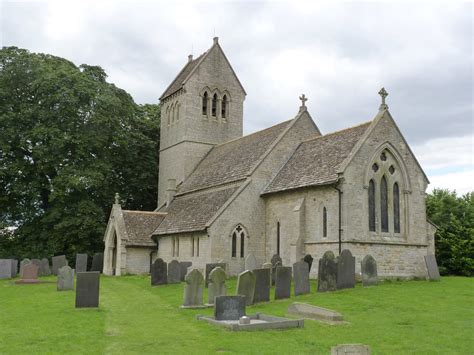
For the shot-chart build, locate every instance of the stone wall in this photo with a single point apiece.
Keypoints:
(165, 250)
(138, 260)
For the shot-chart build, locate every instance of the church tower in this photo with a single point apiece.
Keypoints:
(202, 107)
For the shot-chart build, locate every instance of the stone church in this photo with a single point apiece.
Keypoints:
(288, 189)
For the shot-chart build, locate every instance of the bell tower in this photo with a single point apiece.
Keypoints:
(202, 107)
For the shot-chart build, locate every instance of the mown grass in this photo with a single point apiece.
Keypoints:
(417, 317)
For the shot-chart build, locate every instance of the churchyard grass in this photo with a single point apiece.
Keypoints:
(393, 318)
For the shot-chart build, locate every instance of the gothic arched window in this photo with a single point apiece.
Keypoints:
(371, 205)
(238, 232)
(234, 244)
(278, 238)
(396, 208)
(383, 204)
(214, 105)
(325, 222)
(205, 99)
(242, 244)
(224, 106)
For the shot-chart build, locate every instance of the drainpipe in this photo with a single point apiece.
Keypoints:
(340, 221)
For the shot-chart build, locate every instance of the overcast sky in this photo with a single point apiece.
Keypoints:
(338, 54)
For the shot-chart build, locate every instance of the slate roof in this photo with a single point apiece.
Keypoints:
(317, 161)
(191, 213)
(232, 161)
(140, 225)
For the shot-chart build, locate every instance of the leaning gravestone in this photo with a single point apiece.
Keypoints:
(276, 261)
(250, 262)
(81, 262)
(65, 279)
(159, 272)
(58, 262)
(97, 262)
(301, 277)
(327, 272)
(45, 270)
(345, 270)
(210, 267)
(246, 286)
(369, 271)
(87, 289)
(184, 269)
(309, 260)
(14, 267)
(216, 286)
(193, 289)
(229, 307)
(174, 272)
(6, 268)
(282, 282)
(432, 268)
(262, 285)
(23, 263)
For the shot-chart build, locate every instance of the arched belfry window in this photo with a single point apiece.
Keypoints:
(325, 222)
(205, 99)
(214, 105)
(396, 208)
(371, 205)
(225, 105)
(383, 204)
(238, 239)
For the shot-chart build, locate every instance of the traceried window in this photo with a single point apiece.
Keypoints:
(238, 240)
(214, 105)
(205, 99)
(396, 208)
(383, 204)
(325, 222)
(234, 244)
(371, 205)
(225, 104)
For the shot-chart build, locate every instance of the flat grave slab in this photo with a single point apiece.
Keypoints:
(314, 312)
(258, 321)
(353, 349)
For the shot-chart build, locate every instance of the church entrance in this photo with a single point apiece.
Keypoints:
(114, 253)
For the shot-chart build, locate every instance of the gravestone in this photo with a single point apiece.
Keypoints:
(229, 307)
(174, 272)
(250, 262)
(262, 285)
(159, 272)
(30, 272)
(14, 267)
(45, 270)
(65, 279)
(432, 267)
(81, 262)
(87, 289)
(309, 260)
(369, 271)
(6, 268)
(184, 269)
(350, 349)
(193, 289)
(97, 262)
(327, 272)
(276, 261)
(23, 263)
(301, 277)
(210, 267)
(282, 282)
(345, 270)
(58, 262)
(216, 286)
(37, 262)
(267, 266)
(246, 286)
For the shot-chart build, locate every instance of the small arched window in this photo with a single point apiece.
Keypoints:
(396, 208)
(383, 204)
(234, 244)
(224, 107)
(325, 222)
(371, 205)
(242, 244)
(214, 105)
(205, 99)
(238, 232)
(278, 238)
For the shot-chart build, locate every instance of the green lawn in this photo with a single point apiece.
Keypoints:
(393, 318)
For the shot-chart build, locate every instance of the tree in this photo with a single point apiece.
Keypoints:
(454, 238)
(69, 141)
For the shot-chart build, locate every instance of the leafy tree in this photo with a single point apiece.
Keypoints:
(454, 238)
(68, 141)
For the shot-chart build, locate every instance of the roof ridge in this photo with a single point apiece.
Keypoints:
(336, 132)
(145, 212)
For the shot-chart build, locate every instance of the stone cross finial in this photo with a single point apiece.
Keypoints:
(303, 100)
(383, 94)
(117, 198)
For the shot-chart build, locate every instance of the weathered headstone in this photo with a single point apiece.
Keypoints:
(250, 262)
(309, 260)
(216, 286)
(184, 268)
(229, 307)
(262, 285)
(282, 282)
(58, 262)
(174, 272)
(97, 262)
(432, 268)
(14, 267)
(352, 349)
(81, 262)
(37, 262)
(45, 270)
(210, 267)
(65, 279)
(345, 270)
(301, 277)
(87, 289)
(6, 268)
(327, 273)
(159, 272)
(369, 271)
(276, 261)
(193, 289)
(246, 286)
(267, 266)
(30, 272)
(23, 263)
